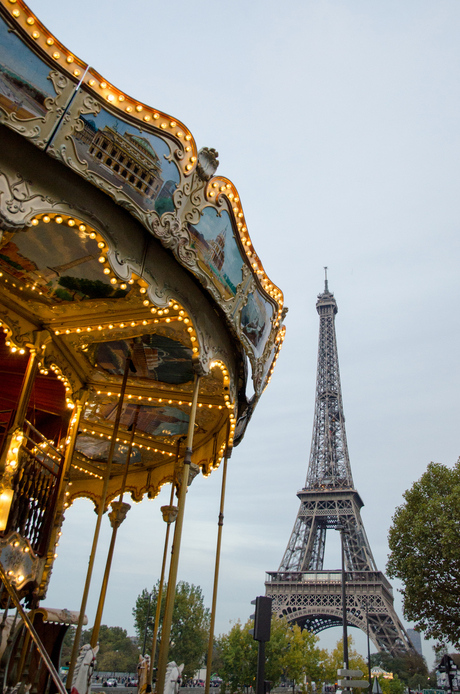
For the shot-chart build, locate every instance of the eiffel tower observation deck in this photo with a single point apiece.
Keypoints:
(302, 590)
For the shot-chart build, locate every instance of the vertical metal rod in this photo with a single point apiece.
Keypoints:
(146, 625)
(171, 592)
(344, 604)
(76, 643)
(23, 402)
(368, 647)
(116, 525)
(160, 587)
(260, 668)
(220, 524)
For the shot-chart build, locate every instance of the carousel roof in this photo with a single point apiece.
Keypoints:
(173, 280)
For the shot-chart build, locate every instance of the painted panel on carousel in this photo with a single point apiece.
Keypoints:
(256, 321)
(154, 356)
(156, 421)
(98, 449)
(217, 250)
(58, 262)
(132, 160)
(28, 89)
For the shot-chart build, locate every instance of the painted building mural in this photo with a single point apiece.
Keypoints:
(217, 250)
(131, 159)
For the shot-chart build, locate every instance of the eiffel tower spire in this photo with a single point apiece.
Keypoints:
(301, 590)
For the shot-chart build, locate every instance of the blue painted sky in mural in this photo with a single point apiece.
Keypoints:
(170, 171)
(14, 52)
(211, 225)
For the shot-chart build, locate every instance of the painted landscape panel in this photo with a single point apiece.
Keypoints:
(214, 242)
(131, 159)
(154, 356)
(98, 449)
(59, 262)
(256, 321)
(153, 420)
(24, 83)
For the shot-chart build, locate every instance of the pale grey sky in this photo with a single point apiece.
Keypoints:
(338, 122)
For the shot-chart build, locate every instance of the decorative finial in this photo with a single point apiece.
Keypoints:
(326, 288)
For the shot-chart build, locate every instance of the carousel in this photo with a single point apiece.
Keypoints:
(134, 309)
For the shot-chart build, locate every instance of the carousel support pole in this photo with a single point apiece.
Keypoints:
(23, 402)
(71, 439)
(9, 457)
(116, 516)
(169, 519)
(76, 643)
(220, 524)
(171, 592)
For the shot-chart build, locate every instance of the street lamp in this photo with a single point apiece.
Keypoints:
(344, 531)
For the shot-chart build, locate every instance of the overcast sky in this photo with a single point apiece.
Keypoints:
(338, 122)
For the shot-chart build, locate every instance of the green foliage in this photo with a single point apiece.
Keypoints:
(93, 289)
(334, 661)
(190, 624)
(117, 652)
(164, 205)
(410, 669)
(424, 542)
(291, 653)
(394, 686)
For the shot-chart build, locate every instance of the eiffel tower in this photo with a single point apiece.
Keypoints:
(301, 589)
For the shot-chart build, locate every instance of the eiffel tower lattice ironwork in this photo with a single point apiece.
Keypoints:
(301, 590)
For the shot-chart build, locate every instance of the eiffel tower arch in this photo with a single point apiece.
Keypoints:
(302, 590)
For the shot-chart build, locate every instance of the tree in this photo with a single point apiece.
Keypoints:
(190, 624)
(117, 652)
(334, 661)
(410, 668)
(291, 653)
(424, 542)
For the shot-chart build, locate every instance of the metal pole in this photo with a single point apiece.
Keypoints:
(116, 522)
(146, 624)
(160, 587)
(76, 643)
(23, 401)
(368, 648)
(220, 524)
(260, 668)
(344, 603)
(171, 592)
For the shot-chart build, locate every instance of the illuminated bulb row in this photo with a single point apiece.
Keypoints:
(102, 245)
(12, 456)
(91, 233)
(33, 286)
(221, 187)
(169, 401)
(160, 120)
(31, 21)
(13, 348)
(54, 367)
(88, 472)
(279, 343)
(125, 441)
(112, 326)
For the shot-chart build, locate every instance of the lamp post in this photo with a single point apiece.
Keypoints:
(368, 645)
(343, 531)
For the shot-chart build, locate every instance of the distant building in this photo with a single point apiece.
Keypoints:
(379, 672)
(88, 131)
(416, 640)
